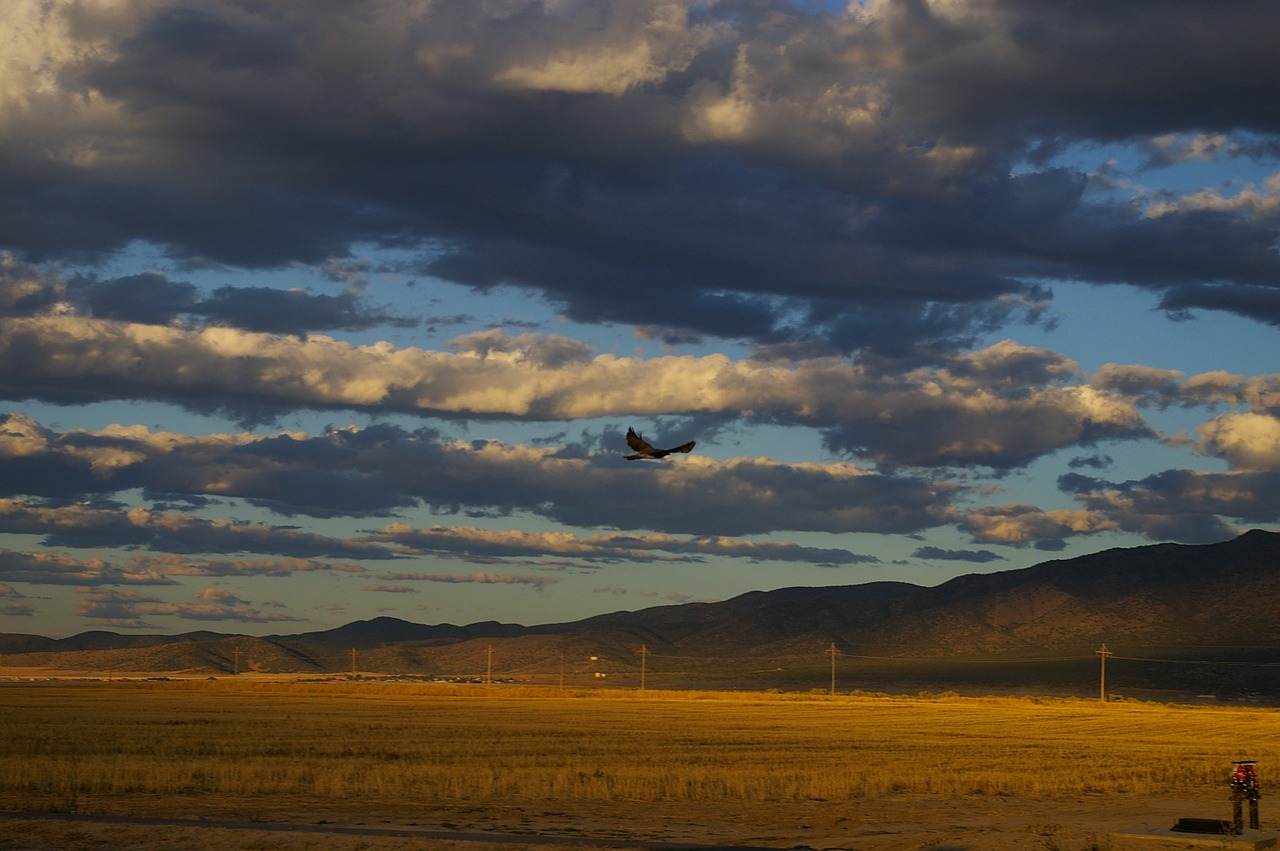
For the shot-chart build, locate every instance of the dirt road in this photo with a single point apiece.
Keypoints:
(901, 825)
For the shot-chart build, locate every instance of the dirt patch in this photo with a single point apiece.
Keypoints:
(883, 825)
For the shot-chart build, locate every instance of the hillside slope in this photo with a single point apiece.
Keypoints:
(1214, 601)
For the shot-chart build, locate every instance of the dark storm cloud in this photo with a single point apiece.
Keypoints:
(153, 298)
(150, 297)
(1255, 303)
(290, 311)
(146, 297)
(736, 156)
(905, 330)
(356, 472)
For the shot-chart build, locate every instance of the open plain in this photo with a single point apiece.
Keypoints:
(284, 765)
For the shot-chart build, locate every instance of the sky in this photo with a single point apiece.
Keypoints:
(315, 311)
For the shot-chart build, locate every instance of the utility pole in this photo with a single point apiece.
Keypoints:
(353, 661)
(488, 671)
(644, 654)
(236, 670)
(833, 651)
(1102, 687)
(561, 670)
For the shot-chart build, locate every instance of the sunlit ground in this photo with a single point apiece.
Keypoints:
(777, 770)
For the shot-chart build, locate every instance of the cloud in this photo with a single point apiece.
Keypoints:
(25, 289)
(59, 569)
(740, 157)
(1252, 201)
(361, 472)
(535, 581)
(1175, 148)
(1255, 303)
(128, 609)
(291, 311)
(151, 298)
(1145, 384)
(218, 597)
(86, 526)
(472, 542)
(1164, 387)
(863, 197)
(147, 297)
(1000, 406)
(939, 554)
(116, 608)
(1247, 441)
(941, 415)
(1022, 524)
(176, 565)
(1098, 462)
(12, 603)
(1182, 505)
(40, 463)
(591, 48)
(1174, 505)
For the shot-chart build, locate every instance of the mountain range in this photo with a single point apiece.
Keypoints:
(1181, 617)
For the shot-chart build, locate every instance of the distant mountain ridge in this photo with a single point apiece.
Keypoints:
(1218, 597)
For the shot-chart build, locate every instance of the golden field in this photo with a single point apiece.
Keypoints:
(769, 769)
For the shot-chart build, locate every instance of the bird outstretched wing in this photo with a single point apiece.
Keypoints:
(645, 450)
(638, 443)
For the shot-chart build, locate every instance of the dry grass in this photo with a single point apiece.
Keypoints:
(101, 746)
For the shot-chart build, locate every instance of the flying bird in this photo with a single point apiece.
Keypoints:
(644, 450)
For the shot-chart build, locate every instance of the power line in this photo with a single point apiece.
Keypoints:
(1199, 662)
(677, 663)
(1020, 660)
